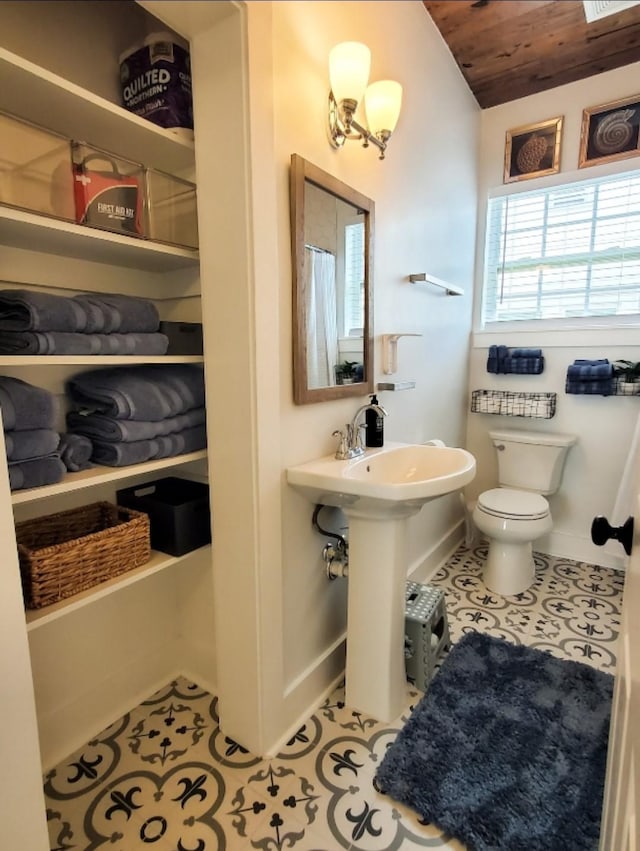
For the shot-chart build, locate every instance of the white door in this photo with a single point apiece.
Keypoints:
(620, 828)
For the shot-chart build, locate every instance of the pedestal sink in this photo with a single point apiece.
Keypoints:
(378, 492)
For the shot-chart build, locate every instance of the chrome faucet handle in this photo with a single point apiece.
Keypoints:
(358, 435)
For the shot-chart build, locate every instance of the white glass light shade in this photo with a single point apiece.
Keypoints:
(349, 64)
(382, 103)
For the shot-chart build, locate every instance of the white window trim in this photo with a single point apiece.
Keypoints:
(610, 331)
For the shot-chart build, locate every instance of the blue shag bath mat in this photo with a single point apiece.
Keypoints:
(507, 749)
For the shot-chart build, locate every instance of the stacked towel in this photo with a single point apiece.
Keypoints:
(135, 414)
(504, 360)
(36, 323)
(591, 377)
(31, 441)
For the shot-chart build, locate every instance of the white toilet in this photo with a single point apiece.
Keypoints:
(513, 515)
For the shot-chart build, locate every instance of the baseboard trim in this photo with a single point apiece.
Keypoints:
(561, 545)
(424, 568)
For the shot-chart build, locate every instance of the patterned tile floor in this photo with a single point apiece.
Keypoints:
(165, 777)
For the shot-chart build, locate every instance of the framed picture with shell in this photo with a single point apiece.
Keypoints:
(610, 131)
(533, 150)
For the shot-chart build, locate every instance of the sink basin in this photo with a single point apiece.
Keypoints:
(378, 492)
(399, 474)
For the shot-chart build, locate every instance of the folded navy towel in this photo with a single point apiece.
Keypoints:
(110, 430)
(596, 387)
(164, 446)
(113, 312)
(48, 470)
(525, 353)
(585, 371)
(63, 343)
(31, 443)
(25, 406)
(75, 451)
(26, 310)
(522, 366)
(147, 392)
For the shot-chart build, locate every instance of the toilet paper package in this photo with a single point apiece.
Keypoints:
(155, 79)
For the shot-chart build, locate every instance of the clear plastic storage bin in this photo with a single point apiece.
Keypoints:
(35, 169)
(172, 212)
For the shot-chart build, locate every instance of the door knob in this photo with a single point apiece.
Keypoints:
(602, 530)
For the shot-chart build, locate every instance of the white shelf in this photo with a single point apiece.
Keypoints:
(102, 475)
(94, 360)
(37, 95)
(22, 229)
(159, 561)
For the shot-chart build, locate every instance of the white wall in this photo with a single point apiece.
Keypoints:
(425, 196)
(604, 426)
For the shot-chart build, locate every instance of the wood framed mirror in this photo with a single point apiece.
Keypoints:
(332, 259)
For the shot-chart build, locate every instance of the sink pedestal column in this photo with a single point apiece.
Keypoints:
(376, 681)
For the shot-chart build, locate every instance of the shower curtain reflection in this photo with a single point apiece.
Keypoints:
(321, 316)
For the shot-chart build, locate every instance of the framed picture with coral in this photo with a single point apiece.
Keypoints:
(610, 131)
(532, 150)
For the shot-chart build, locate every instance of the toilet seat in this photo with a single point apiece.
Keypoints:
(513, 504)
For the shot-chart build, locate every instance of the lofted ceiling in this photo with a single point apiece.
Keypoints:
(508, 49)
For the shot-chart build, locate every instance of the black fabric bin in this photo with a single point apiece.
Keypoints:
(178, 512)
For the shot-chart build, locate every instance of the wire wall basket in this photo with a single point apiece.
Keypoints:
(511, 403)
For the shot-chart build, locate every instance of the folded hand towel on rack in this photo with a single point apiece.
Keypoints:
(163, 446)
(584, 370)
(525, 353)
(30, 443)
(75, 451)
(522, 365)
(114, 312)
(25, 406)
(595, 387)
(26, 310)
(110, 430)
(48, 470)
(63, 343)
(148, 392)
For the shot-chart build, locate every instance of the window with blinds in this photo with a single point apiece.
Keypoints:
(564, 252)
(354, 279)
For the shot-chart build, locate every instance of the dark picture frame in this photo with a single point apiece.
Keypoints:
(610, 132)
(533, 150)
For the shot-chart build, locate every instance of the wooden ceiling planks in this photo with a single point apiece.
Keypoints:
(508, 49)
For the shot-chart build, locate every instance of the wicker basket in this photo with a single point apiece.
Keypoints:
(65, 553)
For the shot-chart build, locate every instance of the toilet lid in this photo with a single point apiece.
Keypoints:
(505, 502)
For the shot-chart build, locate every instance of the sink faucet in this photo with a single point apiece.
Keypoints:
(350, 445)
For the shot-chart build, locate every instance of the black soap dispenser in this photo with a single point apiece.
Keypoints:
(375, 426)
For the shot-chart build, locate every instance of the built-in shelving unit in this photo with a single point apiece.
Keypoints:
(159, 561)
(102, 475)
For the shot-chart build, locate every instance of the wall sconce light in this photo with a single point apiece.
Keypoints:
(349, 65)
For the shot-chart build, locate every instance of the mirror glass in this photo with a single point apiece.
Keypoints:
(332, 239)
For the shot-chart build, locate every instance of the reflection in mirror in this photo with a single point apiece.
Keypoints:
(332, 238)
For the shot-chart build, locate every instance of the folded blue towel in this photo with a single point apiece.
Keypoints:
(522, 366)
(112, 312)
(25, 406)
(164, 446)
(596, 387)
(585, 371)
(525, 353)
(110, 430)
(148, 392)
(26, 310)
(48, 470)
(31, 443)
(63, 343)
(75, 451)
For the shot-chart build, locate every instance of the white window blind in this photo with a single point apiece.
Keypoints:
(564, 252)
(354, 279)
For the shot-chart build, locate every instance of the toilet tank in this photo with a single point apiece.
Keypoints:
(531, 460)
